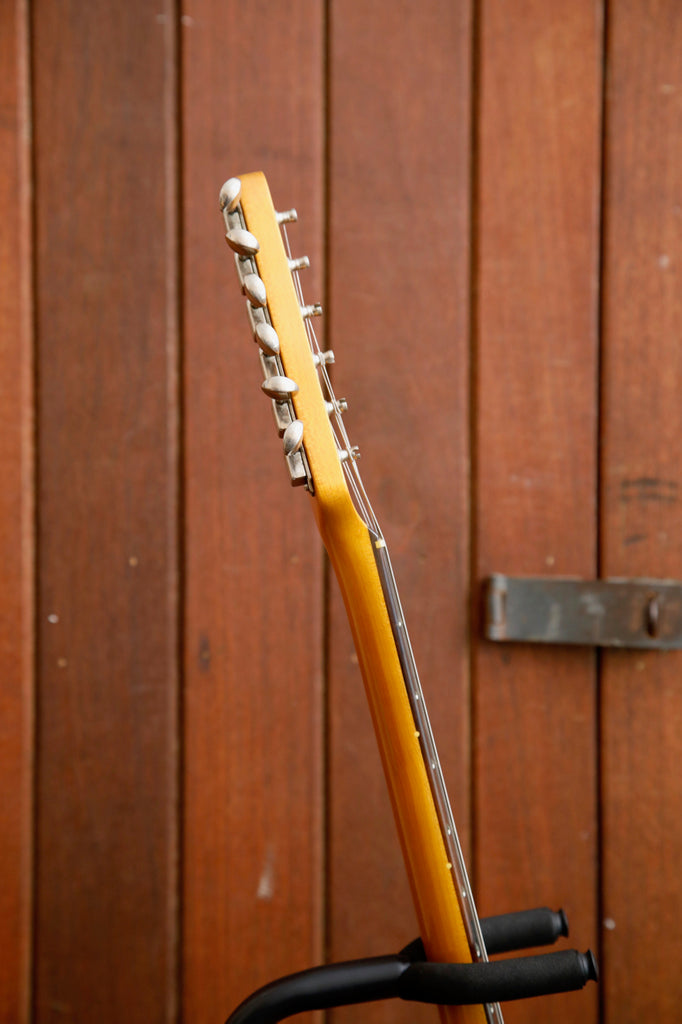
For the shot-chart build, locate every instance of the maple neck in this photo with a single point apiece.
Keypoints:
(429, 750)
(440, 888)
(319, 455)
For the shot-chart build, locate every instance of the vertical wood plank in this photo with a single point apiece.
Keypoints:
(642, 426)
(16, 519)
(399, 223)
(537, 195)
(252, 100)
(106, 313)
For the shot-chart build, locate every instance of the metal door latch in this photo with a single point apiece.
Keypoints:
(640, 613)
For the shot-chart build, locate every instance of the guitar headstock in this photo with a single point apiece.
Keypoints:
(307, 413)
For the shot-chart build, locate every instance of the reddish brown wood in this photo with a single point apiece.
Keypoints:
(642, 424)
(399, 221)
(397, 125)
(16, 520)
(107, 419)
(537, 242)
(252, 893)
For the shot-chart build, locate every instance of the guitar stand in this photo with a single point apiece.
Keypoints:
(408, 975)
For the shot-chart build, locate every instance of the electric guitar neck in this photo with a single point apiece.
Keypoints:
(321, 459)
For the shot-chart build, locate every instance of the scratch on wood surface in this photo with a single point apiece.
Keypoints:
(204, 656)
(266, 882)
(649, 488)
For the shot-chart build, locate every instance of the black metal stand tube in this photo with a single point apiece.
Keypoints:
(409, 976)
(356, 981)
(385, 977)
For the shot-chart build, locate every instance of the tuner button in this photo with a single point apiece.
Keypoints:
(254, 289)
(279, 388)
(230, 194)
(293, 437)
(266, 336)
(242, 242)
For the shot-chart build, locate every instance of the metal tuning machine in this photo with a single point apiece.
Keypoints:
(276, 385)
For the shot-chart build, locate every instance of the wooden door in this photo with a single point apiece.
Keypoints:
(490, 195)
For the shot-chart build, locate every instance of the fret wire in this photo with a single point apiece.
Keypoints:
(432, 764)
(410, 675)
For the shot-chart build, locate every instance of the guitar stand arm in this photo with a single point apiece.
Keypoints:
(521, 978)
(409, 976)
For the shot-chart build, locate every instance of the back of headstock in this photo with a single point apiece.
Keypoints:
(294, 366)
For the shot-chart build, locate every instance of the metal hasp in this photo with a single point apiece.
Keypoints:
(640, 613)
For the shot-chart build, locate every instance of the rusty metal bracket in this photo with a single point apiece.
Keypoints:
(639, 613)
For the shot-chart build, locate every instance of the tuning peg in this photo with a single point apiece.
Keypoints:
(314, 310)
(279, 388)
(293, 437)
(323, 358)
(266, 336)
(254, 289)
(339, 405)
(230, 194)
(242, 242)
(298, 472)
(286, 216)
(300, 263)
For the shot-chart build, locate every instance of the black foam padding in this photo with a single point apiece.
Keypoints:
(523, 929)
(502, 980)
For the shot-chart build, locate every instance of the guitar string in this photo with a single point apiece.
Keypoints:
(341, 437)
(412, 681)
